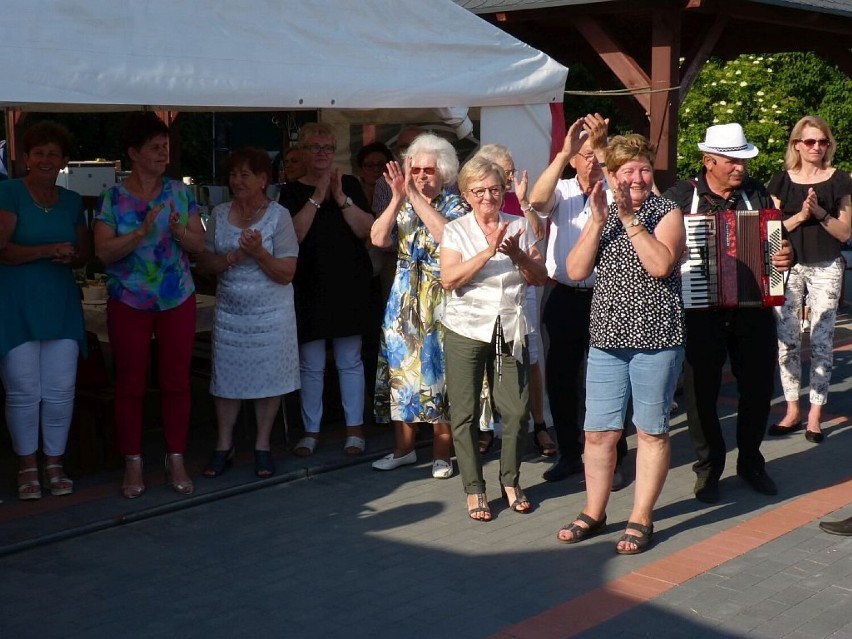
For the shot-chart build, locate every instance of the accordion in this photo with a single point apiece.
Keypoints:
(728, 260)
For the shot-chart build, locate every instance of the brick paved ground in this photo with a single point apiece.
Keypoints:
(330, 548)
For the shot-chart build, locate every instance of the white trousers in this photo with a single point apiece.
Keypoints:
(350, 373)
(39, 378)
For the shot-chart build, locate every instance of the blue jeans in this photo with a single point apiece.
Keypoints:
(651, 376)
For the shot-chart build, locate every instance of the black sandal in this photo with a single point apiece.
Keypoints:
(579, 533)
(519, 501)
(486, 441)
(480, 508)
(219, 463)
(642, 542)
(264, 465)
(547, 449)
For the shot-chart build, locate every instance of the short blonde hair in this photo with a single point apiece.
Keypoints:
(478, 168)
(792, 158)
(624, 148)
(314, 129)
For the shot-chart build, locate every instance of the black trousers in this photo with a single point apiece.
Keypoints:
(566, 319)
(747, 336)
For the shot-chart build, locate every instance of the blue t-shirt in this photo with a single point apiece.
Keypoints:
(39, 300)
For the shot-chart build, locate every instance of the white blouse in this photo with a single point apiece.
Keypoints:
(498, 289)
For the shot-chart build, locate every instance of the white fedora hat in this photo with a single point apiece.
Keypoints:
(728, 140)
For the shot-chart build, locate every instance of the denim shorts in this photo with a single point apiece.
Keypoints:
(651, 376)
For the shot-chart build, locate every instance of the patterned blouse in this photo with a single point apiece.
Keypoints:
(630, 308)
(155, 276)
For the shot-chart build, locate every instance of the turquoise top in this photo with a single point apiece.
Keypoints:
(155, 276)
(39, 300)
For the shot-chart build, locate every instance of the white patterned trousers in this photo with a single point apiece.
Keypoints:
(822, 282)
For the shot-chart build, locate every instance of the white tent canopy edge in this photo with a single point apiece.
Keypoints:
(96, 55)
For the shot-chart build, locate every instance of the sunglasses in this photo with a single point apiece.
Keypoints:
(810, 142)
(428, 170)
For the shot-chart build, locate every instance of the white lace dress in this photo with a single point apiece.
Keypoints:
(255, 349)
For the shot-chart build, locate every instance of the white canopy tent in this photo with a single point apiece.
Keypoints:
(368, 60)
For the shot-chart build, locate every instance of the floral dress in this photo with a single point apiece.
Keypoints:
(410, 383)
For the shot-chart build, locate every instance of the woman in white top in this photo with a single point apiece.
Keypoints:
(487, 259)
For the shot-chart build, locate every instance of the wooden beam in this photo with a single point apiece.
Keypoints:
(624, 66)
(665, 54)
(14, 146)
(700, 55)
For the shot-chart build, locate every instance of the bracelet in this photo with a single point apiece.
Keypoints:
(823, 218)
(314, 202)
(182, 237)
(642, 230)
(529, 208)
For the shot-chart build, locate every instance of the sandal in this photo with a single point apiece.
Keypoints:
(642, 542)
(264, 464)
(579, 533)
(481, 508)
(132, 491)
(60, 483)
(354, 446)
(28, 489)
(180, 487)
(548, 448)
(521, 504)
(305, 447)
(486, 441)
(219, 463)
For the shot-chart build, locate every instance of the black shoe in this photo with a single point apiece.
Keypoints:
(759, 481)
(707, 489)
(777, 430)
(814, 437)
(563, 469)
(843, 527)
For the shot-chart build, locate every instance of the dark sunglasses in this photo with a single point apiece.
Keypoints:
(428, 170)
(810, 142)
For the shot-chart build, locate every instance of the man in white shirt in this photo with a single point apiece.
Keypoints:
(567, 310)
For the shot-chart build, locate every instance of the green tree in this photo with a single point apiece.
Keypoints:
(767, 94)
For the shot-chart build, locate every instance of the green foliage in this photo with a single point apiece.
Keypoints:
(767, 94)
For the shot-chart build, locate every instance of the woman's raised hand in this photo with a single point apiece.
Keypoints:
(251, 242)
(336, 185)
(150, 219)
(395, 177)
(621, 195)
(597, 203)
(511, 245)
(496, 239)
(175, 227)
(521, 185)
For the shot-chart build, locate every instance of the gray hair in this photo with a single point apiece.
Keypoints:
(445, 155)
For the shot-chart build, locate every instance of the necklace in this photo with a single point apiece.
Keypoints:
(251, 217)
(52, 197)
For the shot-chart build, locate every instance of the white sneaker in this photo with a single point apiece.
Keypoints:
(442, 469)
(389, 462)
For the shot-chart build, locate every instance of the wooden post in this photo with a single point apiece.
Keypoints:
(665, 52)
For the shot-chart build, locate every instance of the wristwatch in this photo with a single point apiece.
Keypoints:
(347, 203)
(635, 222)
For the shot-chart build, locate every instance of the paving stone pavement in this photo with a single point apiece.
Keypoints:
(334, 549)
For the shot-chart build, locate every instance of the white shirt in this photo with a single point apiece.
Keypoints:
(497, 289)
(568, 217)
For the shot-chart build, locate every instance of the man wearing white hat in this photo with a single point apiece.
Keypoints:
(746, 335)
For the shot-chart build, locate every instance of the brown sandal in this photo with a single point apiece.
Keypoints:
(579, 533)
(642, 542)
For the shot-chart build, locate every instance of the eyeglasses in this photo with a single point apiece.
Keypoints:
(320, 148)
(428, 170)
(494, 191)
(810, 142)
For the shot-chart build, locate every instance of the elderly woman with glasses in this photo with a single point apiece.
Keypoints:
(410, 386)
(815, 200)
(332, 283)
(487, 260)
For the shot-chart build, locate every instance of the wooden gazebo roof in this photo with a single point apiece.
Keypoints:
(642, 41)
